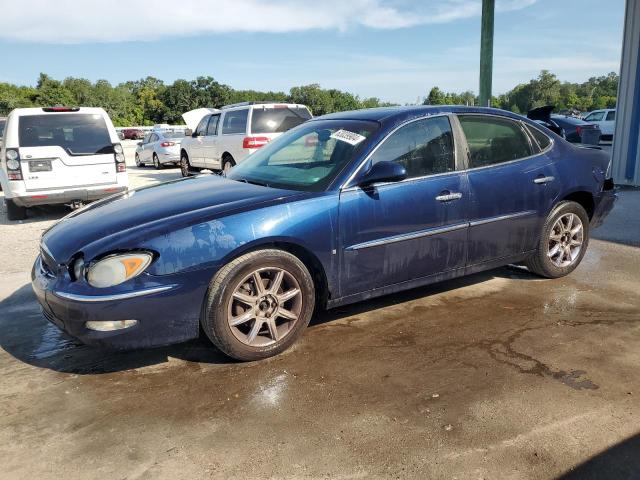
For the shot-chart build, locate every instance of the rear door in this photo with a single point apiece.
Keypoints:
(512, 184)
(401, 231)
(234, 129)
(61, 150)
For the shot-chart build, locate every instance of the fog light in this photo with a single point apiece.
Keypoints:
(108, 326)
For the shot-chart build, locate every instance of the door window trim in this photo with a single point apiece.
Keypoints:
(457, 160)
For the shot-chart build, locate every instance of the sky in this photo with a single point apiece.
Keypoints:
(395, 50)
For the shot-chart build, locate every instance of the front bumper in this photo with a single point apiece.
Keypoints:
(167, 308)
(603, 204)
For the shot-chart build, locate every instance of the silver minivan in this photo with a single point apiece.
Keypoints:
(59, 155)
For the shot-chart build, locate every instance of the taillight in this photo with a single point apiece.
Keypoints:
(254, 142)
(14, 172)
(118, 154)
(167, 144)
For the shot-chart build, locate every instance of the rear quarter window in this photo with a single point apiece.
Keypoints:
(542, 140)
(77, 133)
(235, 122)
(278, 119)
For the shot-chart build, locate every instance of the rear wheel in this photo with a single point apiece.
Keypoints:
(227, 163)
(15, 212)
(156, 162)
(258, 304)
(563, 241)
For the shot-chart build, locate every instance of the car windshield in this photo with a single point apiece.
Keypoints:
(77, 133)
(308, 157)
(277, 119)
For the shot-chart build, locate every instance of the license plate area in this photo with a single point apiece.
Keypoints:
(43, 165)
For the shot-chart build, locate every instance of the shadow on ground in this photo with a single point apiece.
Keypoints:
(622, 461)
(29, 337)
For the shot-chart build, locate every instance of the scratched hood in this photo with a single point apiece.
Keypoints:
(153, 210)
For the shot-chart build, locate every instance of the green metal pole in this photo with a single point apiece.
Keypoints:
(486, 52)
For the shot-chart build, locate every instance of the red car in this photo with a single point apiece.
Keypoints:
(133, 133)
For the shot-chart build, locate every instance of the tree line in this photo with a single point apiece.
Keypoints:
(546, 89)
(150, 100)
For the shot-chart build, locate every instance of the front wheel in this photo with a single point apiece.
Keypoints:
(138, 162)
(563, 241)
(156, 162)
(258, 304)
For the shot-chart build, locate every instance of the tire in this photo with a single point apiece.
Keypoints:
(556, 236)
(249, 340)
(15, 212)
(156, 162)
(139, 164)
(227, 163)
(185, 166)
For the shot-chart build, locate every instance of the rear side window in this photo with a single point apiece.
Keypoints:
(278, 119)
(235, 122)
(611, 116)
(541, 138)
(423, 147)
(77, 133)
(493, 140)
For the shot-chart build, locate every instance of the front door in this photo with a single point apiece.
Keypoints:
(396, 232)
(210, 149)
(511, 184)
(196, 147)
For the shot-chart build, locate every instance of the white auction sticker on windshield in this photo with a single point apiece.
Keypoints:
(347, 136)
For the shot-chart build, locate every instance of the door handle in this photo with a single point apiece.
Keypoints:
(448, 197)
(541, 180)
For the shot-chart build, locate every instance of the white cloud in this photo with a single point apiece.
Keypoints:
(74, 21)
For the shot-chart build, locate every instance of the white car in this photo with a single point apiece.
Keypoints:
(53, 155)
(605, 119)
(220, 139)
(159, 148)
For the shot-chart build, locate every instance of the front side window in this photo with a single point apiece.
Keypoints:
(201, 129)
(423, 147)
(277, 119)
(595, 117)
(235, 122)
(213, 125)
(611, 116)
(77, 133)
(308, 157)
(493, 140)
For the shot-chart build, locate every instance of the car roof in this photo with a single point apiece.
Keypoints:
(401, 114)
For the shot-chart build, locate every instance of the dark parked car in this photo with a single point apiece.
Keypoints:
(340, 209)
(133, 133)
(572, 129)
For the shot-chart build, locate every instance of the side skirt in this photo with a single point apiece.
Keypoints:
(422, 281)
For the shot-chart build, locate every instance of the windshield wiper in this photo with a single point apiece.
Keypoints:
(252, 182)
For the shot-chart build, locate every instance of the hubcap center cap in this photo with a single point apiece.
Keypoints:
(267, 305)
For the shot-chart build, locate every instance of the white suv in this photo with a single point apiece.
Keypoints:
(222, 138)
(59, 155)
(605, 119)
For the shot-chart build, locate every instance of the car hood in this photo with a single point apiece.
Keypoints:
(121, 220)
(193, 117)
(541, 113)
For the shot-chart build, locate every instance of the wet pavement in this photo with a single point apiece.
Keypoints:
(497, 375)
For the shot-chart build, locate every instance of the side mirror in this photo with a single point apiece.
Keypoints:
(383, 172)
(188, 132)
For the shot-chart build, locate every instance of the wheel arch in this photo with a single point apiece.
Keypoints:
(227, 154)
(582, 197)
(304, 254)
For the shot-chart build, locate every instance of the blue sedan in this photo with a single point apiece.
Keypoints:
(340, 209)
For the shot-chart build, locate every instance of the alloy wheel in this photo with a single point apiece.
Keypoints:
(565, 240)
(184, 166)
(264, 307)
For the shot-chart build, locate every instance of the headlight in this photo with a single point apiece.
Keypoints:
(116, 269)
(13, 164)
(12, 155)
(117, 148)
